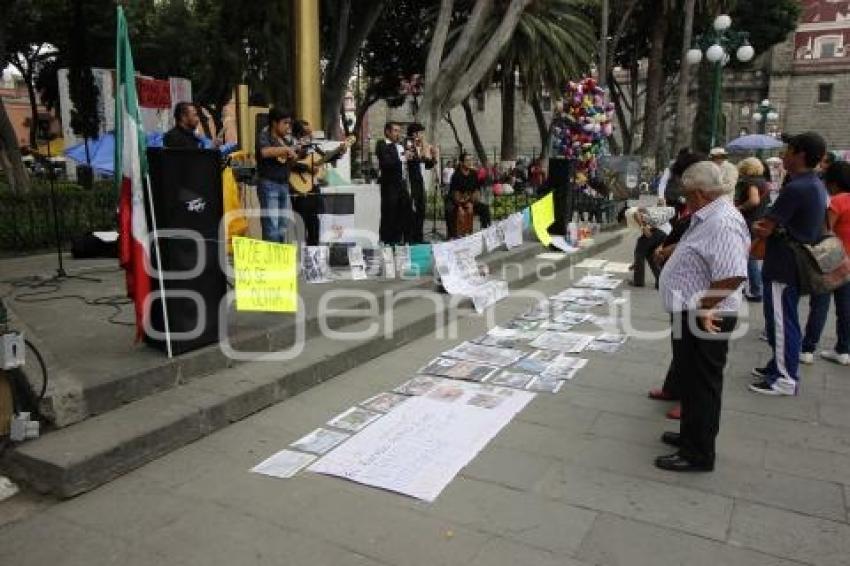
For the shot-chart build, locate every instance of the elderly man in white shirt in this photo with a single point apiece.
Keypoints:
(701, 288)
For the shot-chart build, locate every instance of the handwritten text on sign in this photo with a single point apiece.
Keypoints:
(266, 275)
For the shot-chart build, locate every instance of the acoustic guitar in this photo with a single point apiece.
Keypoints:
(305, 172)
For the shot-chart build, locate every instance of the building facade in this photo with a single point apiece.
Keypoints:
(810, 76)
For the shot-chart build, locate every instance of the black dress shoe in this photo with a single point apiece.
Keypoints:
(676, 463)
(672, 439)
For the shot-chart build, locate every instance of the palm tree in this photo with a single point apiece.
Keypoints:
(554, 42)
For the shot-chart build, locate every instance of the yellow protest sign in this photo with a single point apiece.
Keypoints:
(543, 216)
(266, 275)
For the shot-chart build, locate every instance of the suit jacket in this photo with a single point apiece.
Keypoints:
(414, 172)
(392, 177)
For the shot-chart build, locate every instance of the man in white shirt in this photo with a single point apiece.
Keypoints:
(701, 289)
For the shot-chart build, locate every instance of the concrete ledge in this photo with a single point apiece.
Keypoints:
(88, 454)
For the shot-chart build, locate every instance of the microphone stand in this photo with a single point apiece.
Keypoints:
(61, 274)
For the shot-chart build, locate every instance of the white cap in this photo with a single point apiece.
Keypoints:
(717, 152)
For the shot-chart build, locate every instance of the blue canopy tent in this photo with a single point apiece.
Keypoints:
(102, 151)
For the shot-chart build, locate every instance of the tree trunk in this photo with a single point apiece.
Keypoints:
(654, 84)
(450, 79)
(542, 127)
(508, 114)
(17, 174)
(473, 132)
(602, 71)
(351, 36)
(33, 110)
(680, 132)
(451, 124)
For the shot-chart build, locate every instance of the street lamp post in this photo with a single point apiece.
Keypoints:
(763, 114)
(717, 45)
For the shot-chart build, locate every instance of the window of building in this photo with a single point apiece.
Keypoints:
(828, 46)
(825, 93)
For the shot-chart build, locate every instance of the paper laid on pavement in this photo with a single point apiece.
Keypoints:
(458, 369)
(419, 447)
(552, 256)
(494, 237)
(544, 384)
(284, 464)
(384, 402)
(598, 282)
(485, 354)
(561, 243)
(567, 342)
(508, 378)
(617, 267)
(354, 419)
(320, 441)
(590, 263)
(419, 385)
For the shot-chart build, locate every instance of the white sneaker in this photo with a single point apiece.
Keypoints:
(807, 357)
(780, 387)
(833, 356)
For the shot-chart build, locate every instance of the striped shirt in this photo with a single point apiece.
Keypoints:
(715, 247)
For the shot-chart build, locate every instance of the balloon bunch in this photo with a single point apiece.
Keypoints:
(583, 122)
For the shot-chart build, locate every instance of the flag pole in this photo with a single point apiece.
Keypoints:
(155, 237)
(123, 57)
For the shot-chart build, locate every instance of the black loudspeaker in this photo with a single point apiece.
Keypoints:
(187, 195)
(560, 172)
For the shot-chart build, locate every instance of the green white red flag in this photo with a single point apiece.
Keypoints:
(131, 171)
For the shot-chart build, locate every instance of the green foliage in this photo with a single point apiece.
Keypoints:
(26, 219)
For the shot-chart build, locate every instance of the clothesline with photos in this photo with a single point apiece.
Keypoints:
(453, 263)
(415, 438)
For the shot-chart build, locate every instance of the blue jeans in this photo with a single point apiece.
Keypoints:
(818, 311)
(274, 201)
(754, 278)
(782, 326)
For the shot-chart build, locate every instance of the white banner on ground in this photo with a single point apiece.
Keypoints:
(419, 446)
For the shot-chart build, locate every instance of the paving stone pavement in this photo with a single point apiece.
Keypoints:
(568, 482)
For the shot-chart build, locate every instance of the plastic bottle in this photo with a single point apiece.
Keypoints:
(572, 230)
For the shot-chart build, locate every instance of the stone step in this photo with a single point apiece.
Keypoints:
(71, 400)
(83, 456)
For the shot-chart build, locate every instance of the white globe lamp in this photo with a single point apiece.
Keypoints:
(694, 56)
(722, 22)
(772, 116)
(715, 53)
(745, 53)
(757, 116)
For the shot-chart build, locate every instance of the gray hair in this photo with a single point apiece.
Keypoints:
(705, 176)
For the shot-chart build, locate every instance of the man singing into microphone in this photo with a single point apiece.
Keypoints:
(396, 204)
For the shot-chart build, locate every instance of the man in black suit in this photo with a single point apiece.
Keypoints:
(396, 205)
(423, 154)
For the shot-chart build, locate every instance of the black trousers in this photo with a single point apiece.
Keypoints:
(396, 210)
(672, 385)
(308, 207)
(479, 209)
(643, 255)
(415, 229)
(700, 359)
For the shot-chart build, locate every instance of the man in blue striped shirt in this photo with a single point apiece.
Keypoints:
(701, 287)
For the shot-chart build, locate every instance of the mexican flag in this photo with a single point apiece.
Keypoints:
(131, 172)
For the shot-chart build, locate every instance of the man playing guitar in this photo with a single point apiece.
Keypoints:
(305, 175)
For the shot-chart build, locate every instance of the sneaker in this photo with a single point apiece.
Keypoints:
(807, 358)
(780, 387)
(833, 356)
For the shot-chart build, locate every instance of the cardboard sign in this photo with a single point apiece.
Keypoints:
(266, 275)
